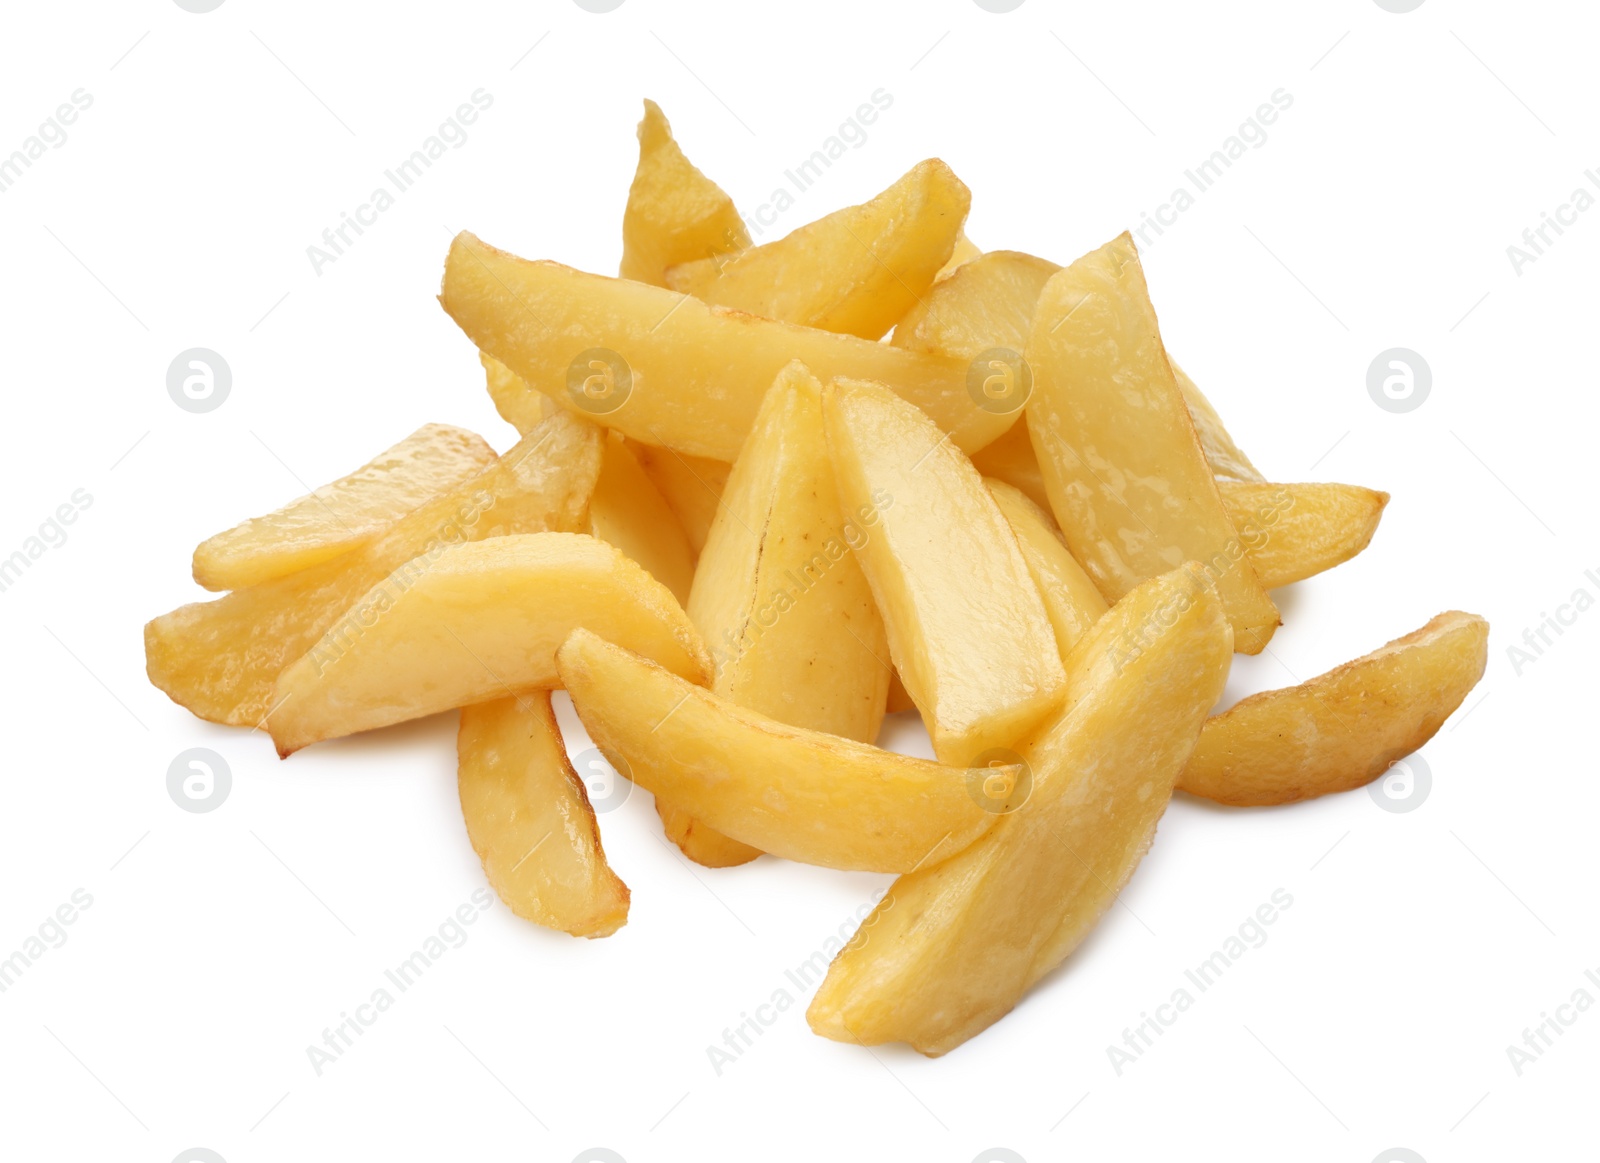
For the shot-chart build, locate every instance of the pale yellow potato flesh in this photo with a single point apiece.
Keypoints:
(221, 659)
(691, 485)
(480, 620)
(529, 819)
(964, 251)
(988, 302)
(967, 629)
(629, 512)
(674, 213)
(1294, 531)
(352, 511)
(1128, 482)
(519, 405)
(1226, 458)
(1071, 600)
(696, 373)
(1011, 460)
(798, 794)
(699, 841)
(1344, 728)
(779, 597)
(1290, 532)
(855, 271)
(954, 946)
(985, 302)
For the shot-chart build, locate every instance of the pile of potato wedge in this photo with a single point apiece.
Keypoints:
(740, 526)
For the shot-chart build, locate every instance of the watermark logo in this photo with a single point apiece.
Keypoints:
(450, 933)
(608, 789)
(52, 534)
(998, 1154)
(199, 380)
(804, 976)
(51, 134)
(1536, 639)
(198, 780)
(201, 6)
(1398, 1154)
(51, 934)
(197, 1154)
(1251, 933)
(999, 781)
(1399, 380)
(999, 380)
(1404, 787)
(451, 135)
(599, 381)
(598, 1154)
(600, 6)
(1400, 6)
(1542, 1036)
(999, 6)
(1251, 135)
(1536, 239)
(851, 134)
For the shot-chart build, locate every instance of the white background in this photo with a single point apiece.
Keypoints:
(177, 214)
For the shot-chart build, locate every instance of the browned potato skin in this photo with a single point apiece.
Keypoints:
(1292, 532)
(1344, 728)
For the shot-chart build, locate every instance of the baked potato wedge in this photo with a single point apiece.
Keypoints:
(779, 597)
(964, 251)
(991, 305)
(1292, 532)
(955, 945)
(477, 621)
(529, 819)
(673, 371)
(794, 793)
(353, 511)
(221, 659)
(855, 271)
(967, 629)
(628, 511)
(1071, 601)
(1128, 482)
(1344, 728)
(691, 485)
(519, 405)
(674, 213)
